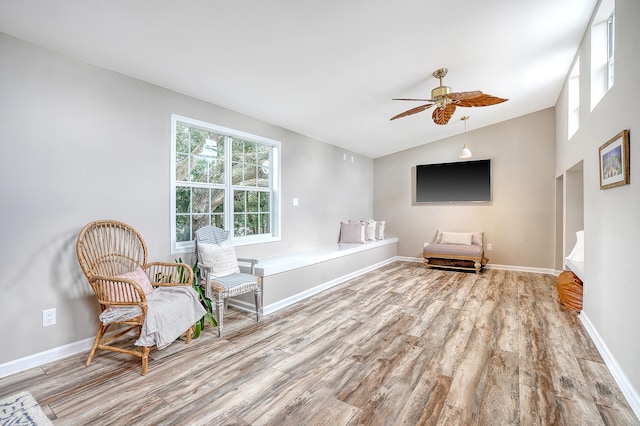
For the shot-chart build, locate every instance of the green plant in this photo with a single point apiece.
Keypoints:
(206, 302)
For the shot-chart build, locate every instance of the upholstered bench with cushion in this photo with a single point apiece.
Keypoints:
(457, 250)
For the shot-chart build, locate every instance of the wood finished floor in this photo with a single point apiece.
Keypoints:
(399, 345)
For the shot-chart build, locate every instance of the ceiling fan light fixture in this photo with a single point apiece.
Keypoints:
(466, 152)
(446, 101)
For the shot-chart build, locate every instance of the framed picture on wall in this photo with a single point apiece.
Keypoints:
(614, 161)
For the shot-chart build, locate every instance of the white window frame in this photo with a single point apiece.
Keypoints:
(573, 99)
(274, 178)
(602, 51)
(611, 48)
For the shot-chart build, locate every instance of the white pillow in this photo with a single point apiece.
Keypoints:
(456, 238)
(352, 232)
(380, 230)
(221, 258)
(577, 254)
(370, 230)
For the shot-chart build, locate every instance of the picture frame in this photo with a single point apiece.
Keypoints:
(614, 161)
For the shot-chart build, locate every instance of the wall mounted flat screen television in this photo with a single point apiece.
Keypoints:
(463, 181)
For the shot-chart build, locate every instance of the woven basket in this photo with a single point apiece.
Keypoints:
(570, 290)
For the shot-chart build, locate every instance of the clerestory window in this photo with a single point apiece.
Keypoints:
(602, 51)
(573, 103)
(223, 177)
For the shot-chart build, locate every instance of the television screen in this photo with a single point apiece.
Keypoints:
(450, 182)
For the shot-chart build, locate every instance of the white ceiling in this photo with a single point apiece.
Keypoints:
(327, 69)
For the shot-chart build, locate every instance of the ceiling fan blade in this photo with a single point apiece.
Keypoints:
(443, 115)
(410, 99)
(412, 111)
(464, 95)
(480, 101)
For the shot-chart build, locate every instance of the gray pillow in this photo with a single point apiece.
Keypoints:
(352, 232)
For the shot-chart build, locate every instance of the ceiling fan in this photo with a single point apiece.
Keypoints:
(446, 101)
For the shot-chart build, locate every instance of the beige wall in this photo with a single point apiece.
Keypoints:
(611, 217)
(519, 223)
(80, 143)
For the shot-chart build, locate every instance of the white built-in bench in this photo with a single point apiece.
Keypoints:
(291, 277)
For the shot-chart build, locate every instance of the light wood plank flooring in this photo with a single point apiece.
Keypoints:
(401, 345)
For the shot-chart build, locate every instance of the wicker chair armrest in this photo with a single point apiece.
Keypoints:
(167, 274)
(251, 261)
(130, 293)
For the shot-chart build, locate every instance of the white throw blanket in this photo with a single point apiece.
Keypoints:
(170, 312)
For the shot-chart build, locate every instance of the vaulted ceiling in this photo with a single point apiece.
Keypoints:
(326, 69)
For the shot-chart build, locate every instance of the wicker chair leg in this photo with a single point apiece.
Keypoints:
(220, 302)
(99, 334)
(145, 360)
(189, 333)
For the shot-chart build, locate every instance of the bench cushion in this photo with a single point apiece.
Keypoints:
(440, 250)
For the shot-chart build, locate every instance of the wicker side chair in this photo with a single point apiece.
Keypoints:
(109, 249)
(219, 284)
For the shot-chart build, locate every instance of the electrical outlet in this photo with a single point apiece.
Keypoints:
(489, 246)
(48, 317)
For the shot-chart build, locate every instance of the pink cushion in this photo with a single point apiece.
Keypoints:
(116, 290)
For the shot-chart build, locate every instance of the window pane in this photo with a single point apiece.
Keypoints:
(250, 152)
(239, 201)
(264, 166)
(182, 139)
(217, 200)
(217, 172)
(265, 224)
(200, 200)
(239, 228)
(218, 220)
(183, 230)
(183, 199)
(237, 174)
(199, 169)
(237, 150)
(198, 138)
(264, 201)
(250, 173)
(182, 168)
(252, 201)
(200, 221)
(263, 175)
(252, 224)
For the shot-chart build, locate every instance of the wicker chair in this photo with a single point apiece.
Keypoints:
(220, 286)
(107, 250)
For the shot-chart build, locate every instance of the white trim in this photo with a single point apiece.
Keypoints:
(629, 392)
(249, 307)
(522, 269)
(41, 358)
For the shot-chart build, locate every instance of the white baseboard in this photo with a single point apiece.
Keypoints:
(629, 392)
(494, 266)
(522, 269)
(42, 358)
(249, 307)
